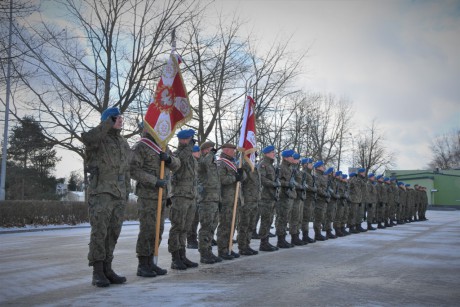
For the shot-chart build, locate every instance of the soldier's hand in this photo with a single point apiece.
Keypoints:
(213, 150)
(161, 183)
(240, 171)
(238, 177)
(168, 202)
(164, 156)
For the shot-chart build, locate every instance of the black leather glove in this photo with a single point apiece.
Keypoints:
(276, 184)
(168, 202)
(240, 171)
(213, 150)
(164, 156)
(161, 183)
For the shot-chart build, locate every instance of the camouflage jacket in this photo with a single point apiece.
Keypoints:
(227, 176)
(311, 182)
(373, 197)
(252, 185)
(145, 169)
(185, 179)
(208, 178)
(107, 160)
(286, 171)
(402, 196)
(267, 178)
(395, 193)
(321, 184)
(356, 190)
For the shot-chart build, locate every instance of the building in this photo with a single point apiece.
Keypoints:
(443, 186)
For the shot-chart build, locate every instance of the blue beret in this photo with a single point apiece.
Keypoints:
(318, 164)
(407, 185)
(378, 177)
(306, 160)
(185, 134)
(386, 179)
(196, 148)
(296, 156)
(268, 149)
(393, 179)
(361, 170)
(110, 112)
(287, 153)
(400, 183)
(344, 176)
(371, 175)
(353, 174)
(338, 173)
(329, 170)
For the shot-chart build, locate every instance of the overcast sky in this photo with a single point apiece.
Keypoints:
(397, 61)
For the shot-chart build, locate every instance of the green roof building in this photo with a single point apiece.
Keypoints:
(443, 186)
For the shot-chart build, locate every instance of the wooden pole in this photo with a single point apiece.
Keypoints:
(159, 207)
(235, 206)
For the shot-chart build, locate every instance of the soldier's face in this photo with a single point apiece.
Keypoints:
(118, 122)
(271, 155)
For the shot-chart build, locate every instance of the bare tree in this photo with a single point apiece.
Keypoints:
(371, 150)
(446, 151)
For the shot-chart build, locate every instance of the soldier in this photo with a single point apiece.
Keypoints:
(287, 196)
(107, 160)
(145, 169)
(192, 229)
(346, 204)
(340, 204)
(356, 195)
(309, 201)
(395, 195)
(402, 202)
(269, 184)
(371, 200)
(229, 174)
(331, 203)
(389, 208)
(182, 212)
(208, 208)
(381, 203)
(424, 204)
(321, 201)
(247, 212)
(361, 207)
(297, 205)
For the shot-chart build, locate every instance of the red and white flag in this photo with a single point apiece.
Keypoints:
(170, 106)
(247, 144)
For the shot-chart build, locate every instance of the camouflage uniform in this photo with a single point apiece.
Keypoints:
(402, 205)
(308, 205)
(346, 207)
(356, 196)
(145, 169)
(184, 190)
(371, 203)
(362, 206)
(382, 200)
(321, 202)
(331, 206)
(297, 209)
(287, 196)
(228, 181)
(247, 212)
(267, 203)
(340, 210)
(107, 159)
(208, 208)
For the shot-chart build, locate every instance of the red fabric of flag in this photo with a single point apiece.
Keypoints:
(247, 143)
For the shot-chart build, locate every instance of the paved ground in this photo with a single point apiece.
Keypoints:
(416, 264)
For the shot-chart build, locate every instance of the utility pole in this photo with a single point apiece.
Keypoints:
(7, 108)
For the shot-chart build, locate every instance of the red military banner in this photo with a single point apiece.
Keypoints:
(170, 106)
(247, 143)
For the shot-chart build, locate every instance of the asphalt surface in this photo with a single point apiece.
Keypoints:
(416, 264)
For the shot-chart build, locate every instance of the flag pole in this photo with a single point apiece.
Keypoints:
(238, 184)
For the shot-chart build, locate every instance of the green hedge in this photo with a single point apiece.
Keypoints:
(19, 213)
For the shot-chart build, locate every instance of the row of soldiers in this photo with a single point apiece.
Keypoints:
(197, 181)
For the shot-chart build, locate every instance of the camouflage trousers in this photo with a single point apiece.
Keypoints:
(181, 215)
(353, 210)
(307, 213)
(224, 228)
(370, 213)
(361, 209)
(192, 228)
(319, 212)
(329, 216)
(147, 212)
(380, 214)
(340, 211)
(246, 215)
(391, 210)
(283, 211)
(265, 210)
(106, 218)
(296, 216)
(208, 213)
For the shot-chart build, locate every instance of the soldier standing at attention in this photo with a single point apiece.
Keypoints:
(247, 212)
(297, 206)
(145, 169)
(192, 229)
(184, 190)
(362, 206)
(107, 160)
(269, 185)
(309, 201)
(208, 207)
(287, 196)
(381, 203)
(321, 204)
(371, 200)
(355, 188)
(331, 203)
(229, 174)
(346, 205)
(340, 204)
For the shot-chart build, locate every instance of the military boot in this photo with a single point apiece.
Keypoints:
(99, 278)
(344, 231)
(176, 263)
(307, 239)
(338, 232)
(353, 229)
(369, 227)
(144, 269)
(185, 260)
(319, 236)
(156, 268)
(282, 243)
(330, 235)
(254, 252)
(111, 275)
(295, 240)
(206, 258)
(387, 224)
(225, 255)
(245, 251)
(192, 242)
(265, 246)
(360, 228)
